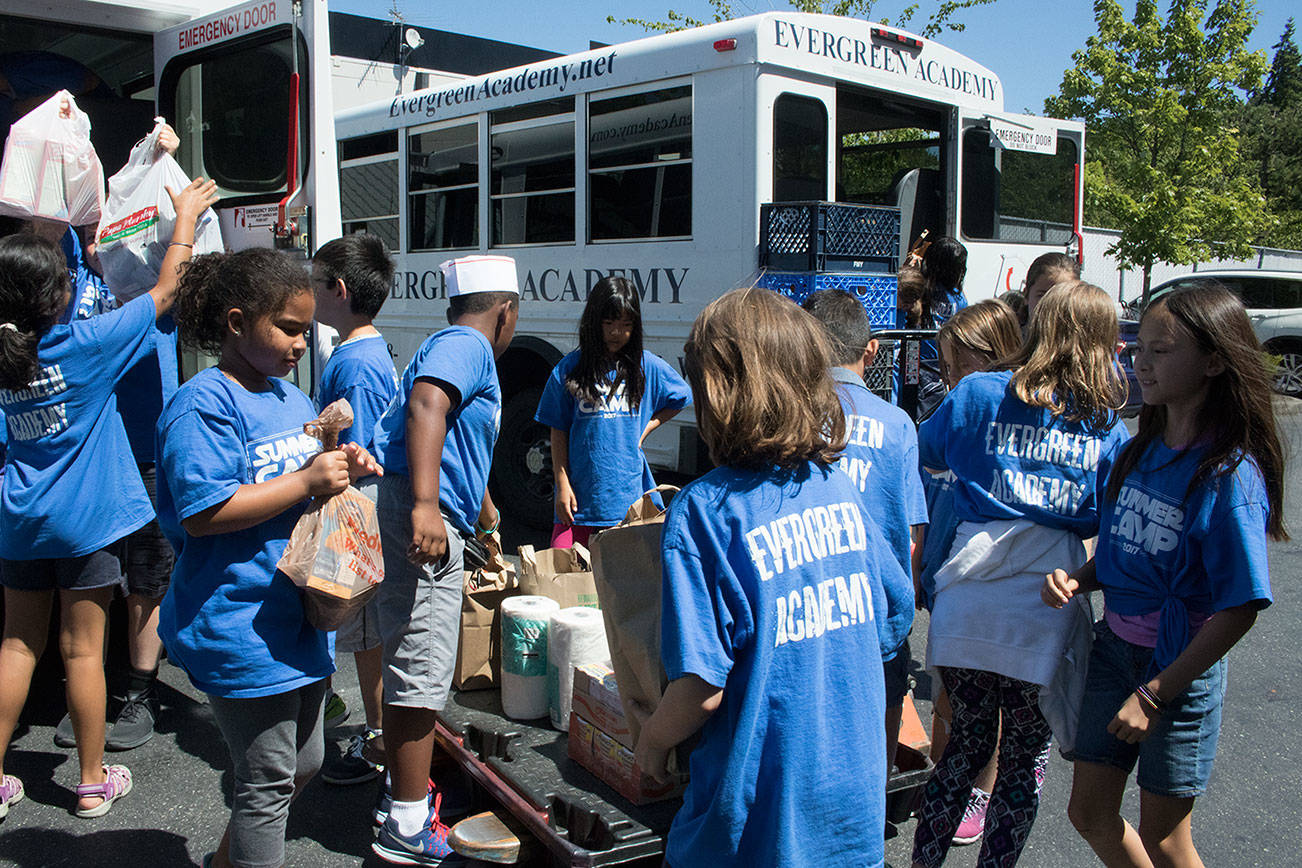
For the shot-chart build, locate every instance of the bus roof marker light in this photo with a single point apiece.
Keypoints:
(912, 42)
(725, 44)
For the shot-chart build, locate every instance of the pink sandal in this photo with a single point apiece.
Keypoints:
(117, 783)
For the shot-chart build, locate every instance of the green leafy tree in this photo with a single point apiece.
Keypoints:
(942, 19)
(1160, 97)
(1272, 139)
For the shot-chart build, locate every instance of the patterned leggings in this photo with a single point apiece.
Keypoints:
(977, 698)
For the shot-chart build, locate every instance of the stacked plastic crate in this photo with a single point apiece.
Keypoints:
(808, 246)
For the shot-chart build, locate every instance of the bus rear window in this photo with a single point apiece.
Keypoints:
(231, 109)
(1016, 196)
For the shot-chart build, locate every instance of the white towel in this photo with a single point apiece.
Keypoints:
(988, 613)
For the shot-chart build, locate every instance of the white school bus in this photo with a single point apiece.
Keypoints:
(652, 159)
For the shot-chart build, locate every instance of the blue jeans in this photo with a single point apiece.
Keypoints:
(1176, 758)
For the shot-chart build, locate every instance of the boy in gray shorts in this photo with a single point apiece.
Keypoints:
(435, 443)
(350, 279)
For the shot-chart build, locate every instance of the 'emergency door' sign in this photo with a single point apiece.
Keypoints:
(1016, 137)
(229, 24)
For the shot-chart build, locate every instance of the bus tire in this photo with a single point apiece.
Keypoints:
(522, 462)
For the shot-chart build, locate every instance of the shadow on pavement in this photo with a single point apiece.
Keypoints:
(130, 848)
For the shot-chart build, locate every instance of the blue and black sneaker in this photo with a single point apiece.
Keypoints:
(429, 846)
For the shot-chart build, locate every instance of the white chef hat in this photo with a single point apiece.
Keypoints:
(470, 274)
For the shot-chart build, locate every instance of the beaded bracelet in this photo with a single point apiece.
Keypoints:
(1147, 695)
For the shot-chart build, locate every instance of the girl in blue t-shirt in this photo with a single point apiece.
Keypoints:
(1026, 446)
(770, 569)
(601, 402)
(973, 340)
(236, 471)
(1182, 564)
(72, 492)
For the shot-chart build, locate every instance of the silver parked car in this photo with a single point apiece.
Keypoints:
(1274, 303)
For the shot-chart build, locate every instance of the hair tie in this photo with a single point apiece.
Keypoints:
(8, 325)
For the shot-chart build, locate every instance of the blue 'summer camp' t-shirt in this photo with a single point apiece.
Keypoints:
(608, 470)
(1160, 550)
(360, 370)
(71, 486)
(462, 358)
(234, 624)
(881, 459)
(769, 582)
(1012, 460)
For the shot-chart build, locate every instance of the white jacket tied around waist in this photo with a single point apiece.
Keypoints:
(988, 613)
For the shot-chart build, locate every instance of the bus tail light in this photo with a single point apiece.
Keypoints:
(725, 44)
(898, 38)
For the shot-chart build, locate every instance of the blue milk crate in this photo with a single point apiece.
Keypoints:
(829, 236)
(876, 292)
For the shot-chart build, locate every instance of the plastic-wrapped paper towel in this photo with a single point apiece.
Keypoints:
(575, 637)
(524, 655)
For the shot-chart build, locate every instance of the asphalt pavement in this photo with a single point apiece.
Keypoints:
(1251, 815)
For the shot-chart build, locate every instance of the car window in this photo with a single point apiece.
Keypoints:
(1288, 292)
(1256, 292)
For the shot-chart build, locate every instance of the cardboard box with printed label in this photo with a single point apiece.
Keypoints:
(613, 763)
(596, 699)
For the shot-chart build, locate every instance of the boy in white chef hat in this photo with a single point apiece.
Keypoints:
(435, 442)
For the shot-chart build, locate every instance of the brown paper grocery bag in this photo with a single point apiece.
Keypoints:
(626, 565)
(563, 575)
(479, 651)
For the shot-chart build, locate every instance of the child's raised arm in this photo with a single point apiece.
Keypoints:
(253, 503)
(190, 203)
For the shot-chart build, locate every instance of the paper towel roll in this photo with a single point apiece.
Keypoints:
(575, 637)
(524, 656)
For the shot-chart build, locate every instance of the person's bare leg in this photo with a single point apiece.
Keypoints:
(84, 621)
(1166, 828)
(1095, 811)
(144, 648)
(370, 668)
(409, 743)
(27, 622)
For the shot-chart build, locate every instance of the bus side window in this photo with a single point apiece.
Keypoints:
(532, 154)
(640, 165)
(368, 186)
(443, 187)
(799, 149)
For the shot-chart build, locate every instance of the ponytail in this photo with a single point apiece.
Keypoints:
(34, 290)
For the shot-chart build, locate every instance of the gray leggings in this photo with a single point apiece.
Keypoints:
(273, 741)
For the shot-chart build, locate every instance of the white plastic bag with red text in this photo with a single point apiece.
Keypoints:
(139, 219)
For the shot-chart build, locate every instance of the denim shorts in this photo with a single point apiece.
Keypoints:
(99, 569)
(1176, 759)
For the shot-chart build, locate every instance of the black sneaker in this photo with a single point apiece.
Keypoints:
(353, 767)
(63, 734)
(135, 723)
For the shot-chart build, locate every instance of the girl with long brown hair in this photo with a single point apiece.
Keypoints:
(1182, 564)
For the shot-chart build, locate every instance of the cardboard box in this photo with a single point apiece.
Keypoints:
(596, 700)
(613, 763)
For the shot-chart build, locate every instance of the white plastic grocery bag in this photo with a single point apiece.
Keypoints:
(50, 169)
(139, 218)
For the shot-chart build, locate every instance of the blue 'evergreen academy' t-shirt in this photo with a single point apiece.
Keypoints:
(360, 370)
(608, 470)
(881, 459)
(71, 485)
(769, 582)
(234, 624)
(462, 358)
(1012, 460)
(1159, 550)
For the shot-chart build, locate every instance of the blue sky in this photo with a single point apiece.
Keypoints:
(1028, 43)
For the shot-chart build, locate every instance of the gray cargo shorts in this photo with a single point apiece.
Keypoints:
(418, 608)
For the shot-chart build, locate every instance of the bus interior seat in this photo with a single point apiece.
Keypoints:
(917, 193)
